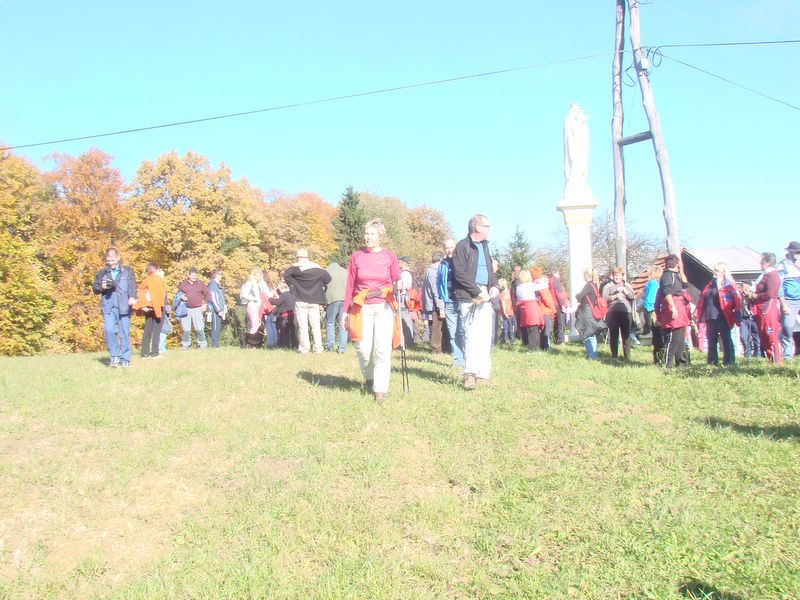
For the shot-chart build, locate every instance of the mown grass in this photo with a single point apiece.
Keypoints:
(253, 474)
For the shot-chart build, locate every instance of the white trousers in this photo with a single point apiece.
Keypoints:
(308, 314)
(375, 348)
(477, 320)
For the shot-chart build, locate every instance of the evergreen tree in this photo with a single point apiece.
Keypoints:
(348, 226)
(517, 252)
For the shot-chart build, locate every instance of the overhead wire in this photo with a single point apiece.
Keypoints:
(730, 81)
(654, 53)
(308, 102)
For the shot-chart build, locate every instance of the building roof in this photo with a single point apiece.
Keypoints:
(738, 259)
(743, 263)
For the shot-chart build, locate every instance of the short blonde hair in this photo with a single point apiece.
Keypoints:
(524, 277)
(502, 283)
(256, 273)
(377, 225)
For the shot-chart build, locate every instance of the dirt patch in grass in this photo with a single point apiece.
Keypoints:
(619, 412)
(88, 516)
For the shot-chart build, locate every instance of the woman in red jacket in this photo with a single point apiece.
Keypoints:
(719, 307)
(766, 307)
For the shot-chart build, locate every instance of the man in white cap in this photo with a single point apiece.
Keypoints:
(307, 281)
(789, 270)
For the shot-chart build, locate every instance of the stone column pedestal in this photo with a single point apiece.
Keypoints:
(578, 208)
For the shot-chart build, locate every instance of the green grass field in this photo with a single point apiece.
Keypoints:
(260, 474)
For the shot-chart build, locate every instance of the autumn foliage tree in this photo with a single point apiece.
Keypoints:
(186, 213)
(26, 295)
(74, 230)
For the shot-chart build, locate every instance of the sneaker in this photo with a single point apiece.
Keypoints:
(469, 381)
(124, 365)
(380, 397)
(114, 362)
(156, 356)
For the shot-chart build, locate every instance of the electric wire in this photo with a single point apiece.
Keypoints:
(309, 102)
(726, 80)
(653, 52)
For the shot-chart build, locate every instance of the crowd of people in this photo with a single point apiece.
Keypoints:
(461, 308)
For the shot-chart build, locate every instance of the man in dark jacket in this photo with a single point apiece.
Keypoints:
(217, 307)
(475, 285)
(307, 281)
(116, 285)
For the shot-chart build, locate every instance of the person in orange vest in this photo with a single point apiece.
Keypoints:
(150, 303)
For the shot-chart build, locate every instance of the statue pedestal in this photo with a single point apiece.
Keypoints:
(578, 207)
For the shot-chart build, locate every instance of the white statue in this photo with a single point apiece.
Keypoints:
(576, 150)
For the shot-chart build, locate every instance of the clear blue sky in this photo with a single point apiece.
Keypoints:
(490, 144)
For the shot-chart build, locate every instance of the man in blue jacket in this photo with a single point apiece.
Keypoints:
(475, 285)
(116, 285)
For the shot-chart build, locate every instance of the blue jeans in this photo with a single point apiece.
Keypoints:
(117, 330)
(270, 331)
(787, 328)
(719, 327)
(456, 329)
(590, 344)
(333, 315)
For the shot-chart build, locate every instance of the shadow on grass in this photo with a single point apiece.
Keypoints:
(776, 432)
(748, 369)
(330, 381)
(703, 591)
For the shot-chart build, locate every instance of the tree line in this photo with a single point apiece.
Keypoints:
(180, 211)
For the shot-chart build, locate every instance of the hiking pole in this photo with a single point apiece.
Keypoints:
(403, 359)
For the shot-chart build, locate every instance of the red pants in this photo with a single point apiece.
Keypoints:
(769, 330)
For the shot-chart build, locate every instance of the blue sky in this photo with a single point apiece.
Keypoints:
(490, 144)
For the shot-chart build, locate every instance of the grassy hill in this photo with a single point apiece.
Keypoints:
(234, 474)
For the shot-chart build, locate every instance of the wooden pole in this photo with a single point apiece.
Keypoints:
(621, 243)
(670, 218)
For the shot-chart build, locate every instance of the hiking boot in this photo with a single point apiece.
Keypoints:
(469, 381)
(380, 397)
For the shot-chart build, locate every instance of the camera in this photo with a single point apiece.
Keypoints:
(108, 283)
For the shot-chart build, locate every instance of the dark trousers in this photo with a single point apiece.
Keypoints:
(216, 329)
(619, 324)
(436, 325)
(287, 336)
(719, 328)
(151, 336)
(547, 330)
(674, 346)
(748, 332)
(558, 327)
(533, 336)
(509, 329)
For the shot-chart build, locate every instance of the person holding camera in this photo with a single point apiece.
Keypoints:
(116, 285)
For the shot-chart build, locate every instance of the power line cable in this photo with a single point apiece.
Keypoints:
(725, 44)
(310, 102)
(653, 50)
(726, 80)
